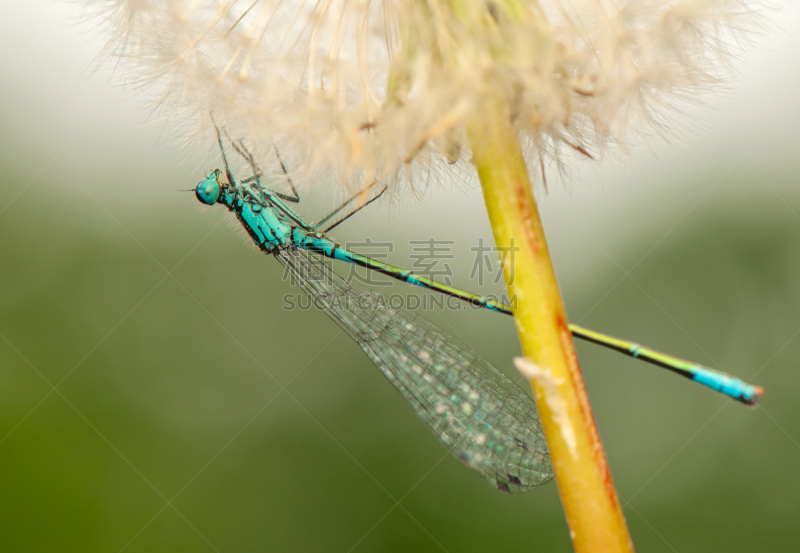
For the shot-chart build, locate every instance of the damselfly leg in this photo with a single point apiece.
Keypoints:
(345, 204)
(296, 198)
(228, 173)
(245, 153)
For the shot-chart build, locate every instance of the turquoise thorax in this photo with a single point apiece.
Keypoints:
(268, 220)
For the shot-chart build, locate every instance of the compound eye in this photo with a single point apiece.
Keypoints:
(207, 190)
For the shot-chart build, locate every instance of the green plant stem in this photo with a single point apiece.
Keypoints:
(584, 481)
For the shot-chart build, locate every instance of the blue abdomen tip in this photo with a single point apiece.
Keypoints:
(728, 385)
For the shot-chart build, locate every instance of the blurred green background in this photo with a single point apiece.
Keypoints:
(154, 396)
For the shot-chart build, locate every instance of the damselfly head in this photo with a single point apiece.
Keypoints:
(208, 190)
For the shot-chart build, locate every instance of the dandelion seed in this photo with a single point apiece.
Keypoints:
(383, 90)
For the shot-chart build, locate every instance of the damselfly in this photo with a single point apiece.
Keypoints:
(486, 419)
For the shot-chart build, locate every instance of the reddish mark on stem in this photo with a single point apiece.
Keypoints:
(529, 221)
(576, 377)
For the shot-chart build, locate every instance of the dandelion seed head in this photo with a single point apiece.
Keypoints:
(359, 91)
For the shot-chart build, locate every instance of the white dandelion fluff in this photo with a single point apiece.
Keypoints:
(379, 90)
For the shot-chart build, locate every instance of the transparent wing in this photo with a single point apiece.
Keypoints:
(486, 420)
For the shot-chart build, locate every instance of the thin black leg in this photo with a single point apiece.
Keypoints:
(242, 151)
(359, 208)
(245, 153)
(294, 199)
(224, 159)
(342, 206)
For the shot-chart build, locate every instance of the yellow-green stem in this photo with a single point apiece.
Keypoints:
(584, 481)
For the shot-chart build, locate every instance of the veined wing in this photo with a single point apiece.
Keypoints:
(486, 420)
